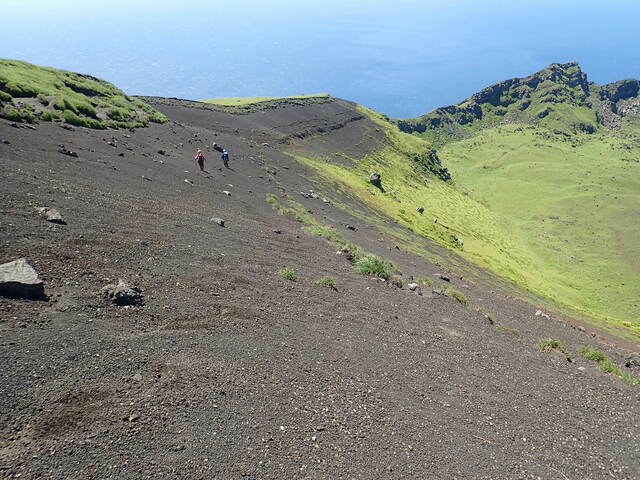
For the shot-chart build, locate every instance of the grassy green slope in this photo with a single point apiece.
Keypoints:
(574, 202)
(463, 224)
(30, 93)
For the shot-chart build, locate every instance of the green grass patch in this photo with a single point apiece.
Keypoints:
(459, 296)
(369, 264)
(328, 282)
(288, 274)
(553, 344)
(607, 365)
(425, 281)
(84, 101)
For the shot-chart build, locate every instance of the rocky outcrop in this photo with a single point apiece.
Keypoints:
(513, 101)
(18, 279)
(122, 293)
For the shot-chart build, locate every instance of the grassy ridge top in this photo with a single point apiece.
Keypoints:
(242, 105)
(30, 93)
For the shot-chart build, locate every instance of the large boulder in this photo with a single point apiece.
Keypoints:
(51, 215)
(376, 180)
(122, 293)
(18, 279)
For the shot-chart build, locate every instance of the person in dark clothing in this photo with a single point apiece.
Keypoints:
(199, 158)
(225, 158)
(218, 148)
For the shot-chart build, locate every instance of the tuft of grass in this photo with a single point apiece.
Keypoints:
(459, 296)
(425, 281)
(370, 264)
(328, 282)
(288, 274)
(607, 365)
(553, 344)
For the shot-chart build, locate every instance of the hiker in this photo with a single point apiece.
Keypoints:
(225, 158)
(217, 147)
(200, 159)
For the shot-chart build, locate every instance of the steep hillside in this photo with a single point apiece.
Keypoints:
(30, 93)
(558, 158)
(275, 336)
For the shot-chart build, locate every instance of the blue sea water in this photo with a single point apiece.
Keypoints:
(401, 57)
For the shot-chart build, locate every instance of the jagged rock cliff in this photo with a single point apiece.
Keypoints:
(559, 96)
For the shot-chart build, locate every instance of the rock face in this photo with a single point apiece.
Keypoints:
(123, 294)
(534, 100)
(51, 215)
(19, 280)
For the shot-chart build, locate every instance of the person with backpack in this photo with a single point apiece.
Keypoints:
(225, 158)
(199, 158)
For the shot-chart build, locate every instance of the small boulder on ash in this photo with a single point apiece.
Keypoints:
(218, 220)
(51, 215)
(122, 293)
(63, 150)
(18, 279)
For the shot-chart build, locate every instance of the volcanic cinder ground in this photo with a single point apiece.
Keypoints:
(228, 370)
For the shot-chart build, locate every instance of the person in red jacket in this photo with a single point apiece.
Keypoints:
(199, 158)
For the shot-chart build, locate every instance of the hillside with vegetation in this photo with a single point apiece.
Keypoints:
(558, 157)
(30, 93)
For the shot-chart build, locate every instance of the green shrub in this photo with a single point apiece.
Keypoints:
(87, 110)
(157, 118)
(5, 97)
(12, 113)
(43, 100)
(74, 119)
(369, 264)
(118, 114)
(288, 274)
(18, 90)
(553, 344)
(328, 282)
(48, 116)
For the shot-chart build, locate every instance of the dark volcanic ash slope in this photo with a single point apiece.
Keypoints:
(229, 370)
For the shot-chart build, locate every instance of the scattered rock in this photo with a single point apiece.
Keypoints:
(137, 377)
(14, 125)
(186, 180)
(633, 363)
(51, 215)
(265, 144)
(277, 231)
(122, 293)
(420, 210)
(67, 127)
(18, 279)
(63, 150)
(217, 220)
(145, 178)
(438, 291)
(444, 277)
(376, 180)
(540, 313)
(227, 193)
(162, 152)
(6, 142)
(121, 154)
(351, 227)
